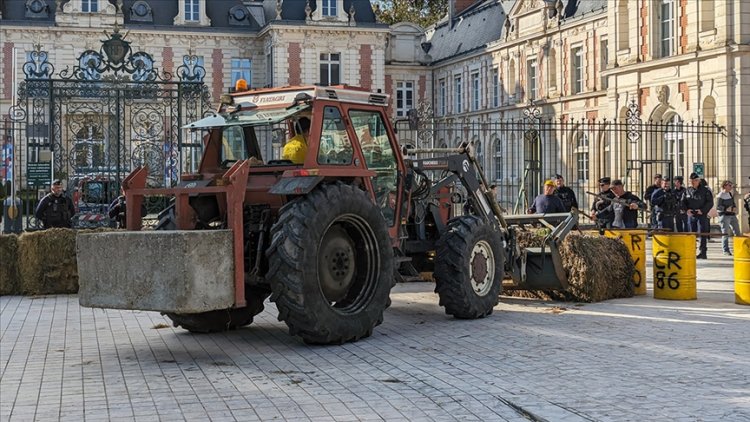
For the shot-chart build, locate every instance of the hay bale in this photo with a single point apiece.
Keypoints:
(10, 282)
(599, 268)
(47, 262)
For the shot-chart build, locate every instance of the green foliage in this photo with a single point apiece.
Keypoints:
(421, 12)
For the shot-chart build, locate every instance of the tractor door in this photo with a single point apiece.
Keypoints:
(378, 149)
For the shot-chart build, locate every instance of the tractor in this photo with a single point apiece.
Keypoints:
(325, 239)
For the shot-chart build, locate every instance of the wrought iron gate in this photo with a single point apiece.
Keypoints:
(96, 121)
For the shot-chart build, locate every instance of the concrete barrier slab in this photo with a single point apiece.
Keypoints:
(168, 271)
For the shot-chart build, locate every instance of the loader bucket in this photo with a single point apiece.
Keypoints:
(541, 268)
(175, 271)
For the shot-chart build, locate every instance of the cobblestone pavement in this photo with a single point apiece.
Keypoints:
(621, 360)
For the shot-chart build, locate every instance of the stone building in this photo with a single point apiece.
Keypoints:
(172, 43)
(583, 88)
(625, 88)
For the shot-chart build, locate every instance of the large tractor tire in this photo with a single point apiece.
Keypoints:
(331, 265)
(221, 319)
(469, 268)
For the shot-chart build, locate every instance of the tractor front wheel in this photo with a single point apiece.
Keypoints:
(331, 265)
(224, 319)
(469, 268)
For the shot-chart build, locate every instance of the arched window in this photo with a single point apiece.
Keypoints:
(710, 140)
(480, 152)
(582, 156)
(674, 143)
(497, 159)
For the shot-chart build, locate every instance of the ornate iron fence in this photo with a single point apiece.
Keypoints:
(519, 154)
(97, 120)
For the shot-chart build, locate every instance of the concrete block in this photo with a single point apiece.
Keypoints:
(168, 271)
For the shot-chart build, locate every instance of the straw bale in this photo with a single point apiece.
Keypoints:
(9, 279)
(599, 268)
(47, 262)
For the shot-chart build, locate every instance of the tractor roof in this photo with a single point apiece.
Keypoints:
(276, 97)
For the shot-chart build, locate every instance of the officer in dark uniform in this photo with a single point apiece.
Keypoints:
(680, 218)
(566, 194)
(647, 197)
(55, 209)
(601, 212)
(664, 205)
(697, 202)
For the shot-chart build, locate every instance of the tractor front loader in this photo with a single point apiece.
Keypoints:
(325, 239)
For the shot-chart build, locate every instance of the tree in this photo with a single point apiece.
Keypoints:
(421, 12)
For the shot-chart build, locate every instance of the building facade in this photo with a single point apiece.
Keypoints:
(586, 89)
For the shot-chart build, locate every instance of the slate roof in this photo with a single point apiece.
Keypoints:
(164, 12)
(484, 22)
(295, 10)
(15, 10)
(576, 9)
(474, 28)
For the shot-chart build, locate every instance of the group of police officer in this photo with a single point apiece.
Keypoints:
(673, 206)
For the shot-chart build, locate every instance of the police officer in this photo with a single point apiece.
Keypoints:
(647, 197)
(601, 212)
(680, 218)
(566, 194)
(697, 202)
(55, 209)
(664, 205)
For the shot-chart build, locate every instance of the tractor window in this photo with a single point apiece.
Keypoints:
(379, 156)
(335, 145)
(232, 145)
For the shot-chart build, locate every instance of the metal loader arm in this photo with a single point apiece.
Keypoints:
(464, 166)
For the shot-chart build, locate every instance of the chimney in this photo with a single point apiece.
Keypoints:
(461, 5)
(455, 7)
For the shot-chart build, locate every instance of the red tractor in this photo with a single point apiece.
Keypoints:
(326, 239)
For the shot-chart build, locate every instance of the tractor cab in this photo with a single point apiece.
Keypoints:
(349, 138)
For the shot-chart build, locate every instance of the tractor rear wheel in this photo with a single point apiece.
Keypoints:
(331, 265)
(469, 268)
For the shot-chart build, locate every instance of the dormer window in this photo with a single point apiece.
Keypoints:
(89, 6)
(37, 9)
(192, 10)
(141, 12)
(329, 11)
(329, 7)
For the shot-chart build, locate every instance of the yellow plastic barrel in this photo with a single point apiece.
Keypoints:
(635, 241)
(742, 270)
(674, 266)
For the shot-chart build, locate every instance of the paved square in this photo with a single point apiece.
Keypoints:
(620, 360)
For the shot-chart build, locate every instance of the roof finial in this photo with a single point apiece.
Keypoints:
(352, 12)
(278, 9)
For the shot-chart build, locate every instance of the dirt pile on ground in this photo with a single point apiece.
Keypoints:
(9, 280)
(598, 268)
